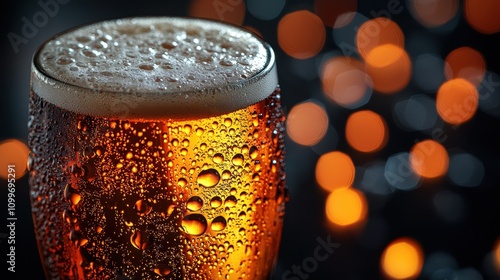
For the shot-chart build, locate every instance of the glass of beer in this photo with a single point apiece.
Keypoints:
(156, 151)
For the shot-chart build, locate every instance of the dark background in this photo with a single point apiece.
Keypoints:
(468, 242)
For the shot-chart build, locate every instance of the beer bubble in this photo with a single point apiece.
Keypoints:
(162, 269)
(194, 224)
(216, 202)
(169, 45)
(65, 60)
(195, 203)
(147, 67)
(208, 178)
(238, 159)
(91, 53)
(142, 207)
(129, 155)
(182, 182)
(218, 158)
(137, 241)
(199, 131)
(228, 122)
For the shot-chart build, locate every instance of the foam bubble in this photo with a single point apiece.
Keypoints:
(154, 68)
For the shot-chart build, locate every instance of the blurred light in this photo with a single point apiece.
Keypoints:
(399, 174)
(457, 101)
(465, 63)
(345, 37)
(468, 273)
(496, 256)
(334, 170)
(438, 261)
(429, 159)
(402, 259)
(345, 207)
(301, 34)
(265, 9)
(429, 72)
(307, 123)
(389, 66)
(466, 170)
(13, 152)
(489, 94)
(433, 13)
(336, 14)
(328, 143)
(366, 131)
(225, 10)
(482, 15)
(373, 180)
(450, 206)
(376, 32)
(345, 82)
(417, 113)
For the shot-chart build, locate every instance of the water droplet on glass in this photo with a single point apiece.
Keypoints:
(254, 152)
(218, 158)
(226, 174)
(194, 224)
(230, 201)
(142, 207)
(208, 178)
(136, 240)
(215, 202)
(218, 223)
(238, 159)
(162, 269)
(194, 203)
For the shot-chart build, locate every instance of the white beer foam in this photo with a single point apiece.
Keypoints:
(154, 68)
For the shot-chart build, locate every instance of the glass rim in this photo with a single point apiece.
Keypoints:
(158, 105)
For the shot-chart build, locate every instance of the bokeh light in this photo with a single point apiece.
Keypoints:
(434, 13)
(429, 159)
(450, 206)
(225, 10)
(457, 101)
(416, 113)
(265, 9)
(496, 256)
(301, 34)
(373, 179)
(376, 32)
(345, 37)
(438, 263)
(334, 170)
(466, 170)
(345, 82)
(13, 152)
(307, 123)
(482, 15)
(489, 94)
(345, 207)
(336, 14)
(366, 131)
(389, 67)
(466, 63)
(402, 259)
(399, 173)
(428, 72)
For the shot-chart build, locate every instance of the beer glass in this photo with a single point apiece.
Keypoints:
(156, 151)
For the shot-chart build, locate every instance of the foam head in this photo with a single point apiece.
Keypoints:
(150, 68)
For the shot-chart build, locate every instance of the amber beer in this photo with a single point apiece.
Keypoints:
(157, 152)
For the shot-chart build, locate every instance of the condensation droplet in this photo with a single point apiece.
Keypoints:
(215, 202)
(218, 158)
(162, 269)
(194, 224)
(218, 223)
(254, 152)
(208, 178)
(238, 159)
(142, 207)
(136, 240)
(230, 201)
(195, 203)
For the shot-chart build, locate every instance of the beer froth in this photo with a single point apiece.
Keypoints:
(154, 68)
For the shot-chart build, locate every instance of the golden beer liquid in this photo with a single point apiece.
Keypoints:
(166, 198)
